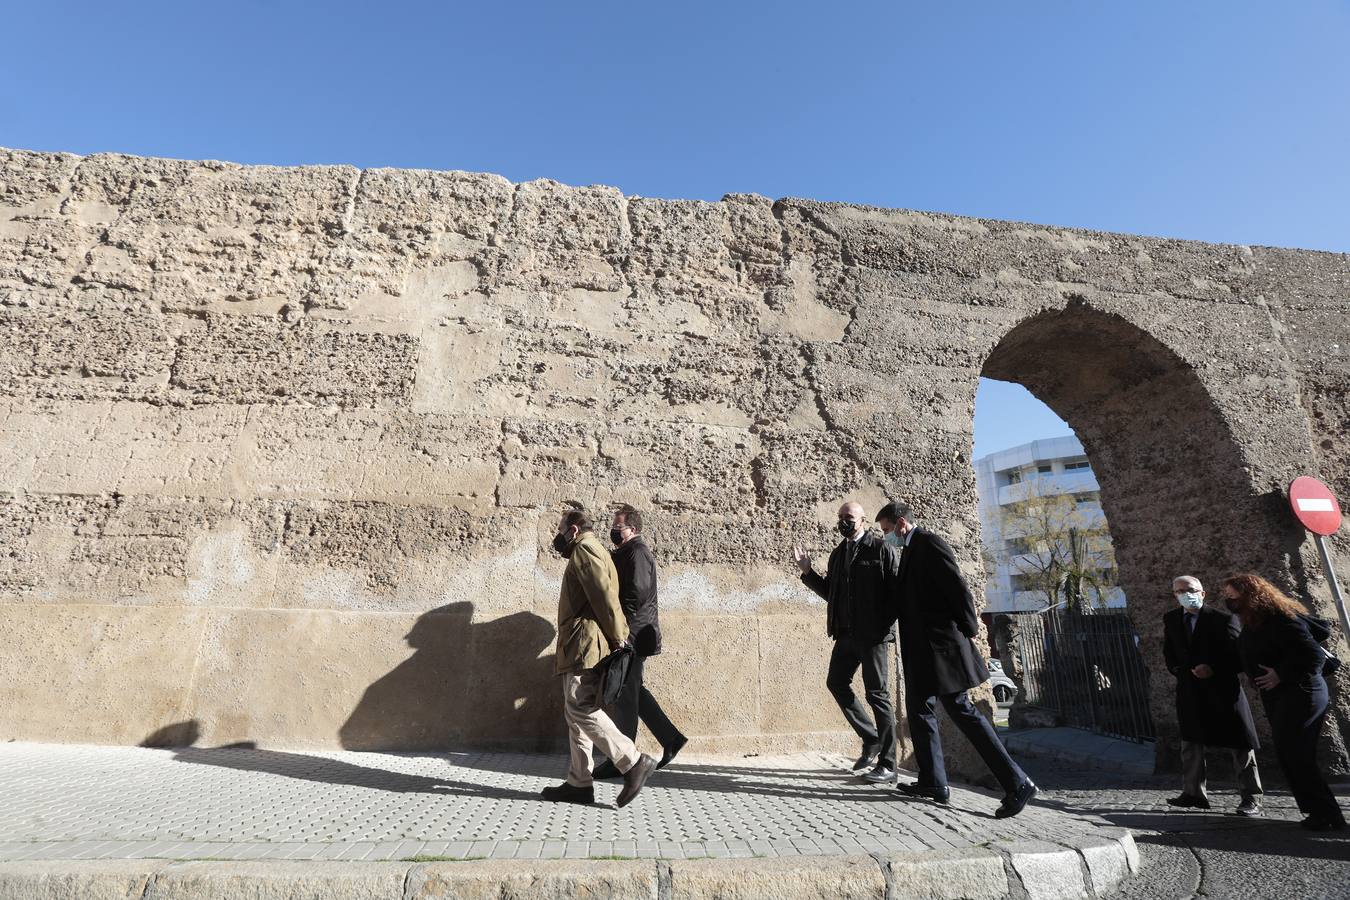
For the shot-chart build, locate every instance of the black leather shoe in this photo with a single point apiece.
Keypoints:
(1186, 801)
(870, 754)
(669, 753)
(634, 779)
(936, 794)
(568, 793)
(1015, 802)
(605, 770)
(879, 775)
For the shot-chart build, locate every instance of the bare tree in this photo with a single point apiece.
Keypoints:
(1058, 549)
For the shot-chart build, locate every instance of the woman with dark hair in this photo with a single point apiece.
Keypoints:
(1282, 658)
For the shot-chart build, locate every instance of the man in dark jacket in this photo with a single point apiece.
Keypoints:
(636, 566)
(859, 588)
(1200, 646)
(938, 625)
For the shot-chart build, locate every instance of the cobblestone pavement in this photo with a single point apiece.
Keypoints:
(1205, 853)
(79, 802)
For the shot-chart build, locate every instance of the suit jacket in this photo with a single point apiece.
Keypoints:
(636, 566)
(938, 621)
(859, 596)
(589, 617)
(1214, 710)
(1288, 647)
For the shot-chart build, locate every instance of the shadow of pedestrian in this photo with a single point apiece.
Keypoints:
(482, 685)
(245, 756)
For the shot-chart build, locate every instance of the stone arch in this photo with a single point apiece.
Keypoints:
(1176, 487)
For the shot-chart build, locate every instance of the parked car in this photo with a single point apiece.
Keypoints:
(1004, 687)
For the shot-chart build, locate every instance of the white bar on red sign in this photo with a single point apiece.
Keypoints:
(1315, 504)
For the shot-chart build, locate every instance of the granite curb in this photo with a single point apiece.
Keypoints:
(1026, 870)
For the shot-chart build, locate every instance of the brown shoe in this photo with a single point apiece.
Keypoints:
(635, 778)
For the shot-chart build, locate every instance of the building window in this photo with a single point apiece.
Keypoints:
(1014, 476)
(1080, 464)
(1045, 468)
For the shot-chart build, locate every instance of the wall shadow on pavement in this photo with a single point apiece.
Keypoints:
(245, 756)
(468, 685)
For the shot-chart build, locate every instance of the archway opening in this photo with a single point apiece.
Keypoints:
(1171, 488)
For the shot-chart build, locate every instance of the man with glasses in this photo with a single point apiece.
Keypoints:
(1200, 647)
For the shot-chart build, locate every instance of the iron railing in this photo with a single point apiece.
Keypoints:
(1086, 669)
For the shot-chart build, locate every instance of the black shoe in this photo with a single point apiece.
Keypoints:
(568, 793)
(880, 775)
(870, 754)
(1322, 823)
(1186, 801)
(1249, 807)
(605, 771)
(1015, 802)
(936, 794)
(670, 752)
(634, 779)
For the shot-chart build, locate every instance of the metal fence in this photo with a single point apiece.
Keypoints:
(1086, 669)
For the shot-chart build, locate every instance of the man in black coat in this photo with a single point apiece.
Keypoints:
(636, 565)
(859, 589)
(938, 626)
(1200, 646)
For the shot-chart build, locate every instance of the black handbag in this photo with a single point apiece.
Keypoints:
(1321, 633)
(613, 673)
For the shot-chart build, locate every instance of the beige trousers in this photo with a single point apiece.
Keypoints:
(1193, 775)
(588, 726)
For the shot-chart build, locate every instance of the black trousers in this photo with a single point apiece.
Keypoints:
(874, 659)
(1296, 716)
(636, 702)
(921, 709)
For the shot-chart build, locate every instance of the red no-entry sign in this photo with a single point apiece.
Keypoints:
(1315, 505)
(1316, 508)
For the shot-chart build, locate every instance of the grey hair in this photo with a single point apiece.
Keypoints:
(1190, 580)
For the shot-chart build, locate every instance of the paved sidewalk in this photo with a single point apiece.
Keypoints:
(80, 802)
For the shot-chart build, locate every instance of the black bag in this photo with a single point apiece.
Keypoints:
(1321, 632)
(613, 673)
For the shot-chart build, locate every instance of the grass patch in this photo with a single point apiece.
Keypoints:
(426, 859)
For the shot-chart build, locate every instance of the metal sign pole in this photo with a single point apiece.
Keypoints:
(1335, 586)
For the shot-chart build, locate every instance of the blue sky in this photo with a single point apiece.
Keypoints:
(1204, 120)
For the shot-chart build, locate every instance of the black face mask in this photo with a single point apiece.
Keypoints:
(563, 544)
(846, 528)
(615, 536)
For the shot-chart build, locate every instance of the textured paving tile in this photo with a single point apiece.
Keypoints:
(66, 801)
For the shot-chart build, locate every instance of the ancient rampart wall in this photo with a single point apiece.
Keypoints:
(281, 449)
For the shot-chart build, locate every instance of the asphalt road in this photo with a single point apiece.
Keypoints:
(1212, 854)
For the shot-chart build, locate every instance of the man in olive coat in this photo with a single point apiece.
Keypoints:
(590, 626)
(938, 626)
(1200, 647)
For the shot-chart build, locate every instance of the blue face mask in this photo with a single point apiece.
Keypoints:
(895, 540)
(1191, 600)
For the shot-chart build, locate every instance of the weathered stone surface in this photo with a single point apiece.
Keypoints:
(851, 877)
(592, 879)
(107, 879)
(295, 400)
(954, 874)
(278, 881)
(1047, 871)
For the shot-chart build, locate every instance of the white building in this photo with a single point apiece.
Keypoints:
(1050, 467)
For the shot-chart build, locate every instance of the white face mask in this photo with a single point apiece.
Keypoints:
(895, 540)
(1191, 600)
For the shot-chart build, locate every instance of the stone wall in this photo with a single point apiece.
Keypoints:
(281, 449)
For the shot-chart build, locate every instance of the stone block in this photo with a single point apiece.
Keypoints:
(794, 660)
(1047, 871)
(947, 875)
(592, 879)
(784, 878)
(708, 674)
(95, 673)
(326, 880)
(106, 879)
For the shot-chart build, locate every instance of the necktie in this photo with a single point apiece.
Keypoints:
(1190, 624)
